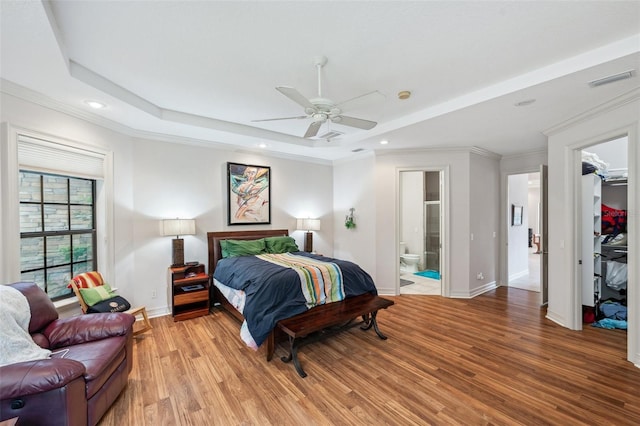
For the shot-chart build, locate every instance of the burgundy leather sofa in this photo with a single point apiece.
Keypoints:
(79, 387)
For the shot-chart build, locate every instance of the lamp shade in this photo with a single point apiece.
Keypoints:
(308, 224)
(178, 227)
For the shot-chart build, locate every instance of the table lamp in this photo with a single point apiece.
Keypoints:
(308, 225)
(178, 227)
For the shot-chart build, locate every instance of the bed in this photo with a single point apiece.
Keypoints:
(355, 281)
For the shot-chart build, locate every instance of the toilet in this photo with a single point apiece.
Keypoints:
(408, 262)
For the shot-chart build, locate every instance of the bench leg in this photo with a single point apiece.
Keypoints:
(370, 320)
(293, 355)
(271, 345)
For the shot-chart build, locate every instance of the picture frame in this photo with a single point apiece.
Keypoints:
(248, 194)
(516, 215)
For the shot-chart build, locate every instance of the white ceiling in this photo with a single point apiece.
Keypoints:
(203, 70)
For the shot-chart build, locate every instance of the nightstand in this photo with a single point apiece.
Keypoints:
(189, 292)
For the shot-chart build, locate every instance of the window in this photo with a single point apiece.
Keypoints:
(57, 230)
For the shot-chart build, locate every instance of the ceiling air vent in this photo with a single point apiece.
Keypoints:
(357, 150)
(612, 78)
(330, 135)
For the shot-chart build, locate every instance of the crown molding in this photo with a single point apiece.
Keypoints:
(614, 103)
(440, 149)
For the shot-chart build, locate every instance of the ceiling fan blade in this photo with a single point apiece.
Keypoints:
(361, 101)
(296, 97)
(354, 122)
(313, 129)
(283, 118)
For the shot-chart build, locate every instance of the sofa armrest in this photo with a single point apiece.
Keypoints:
(88, 328)
(33, 377)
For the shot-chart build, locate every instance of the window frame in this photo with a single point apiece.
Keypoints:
(43, 233)
(10, 164)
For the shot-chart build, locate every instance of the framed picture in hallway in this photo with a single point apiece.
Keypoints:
(248, 194)
(516, 215)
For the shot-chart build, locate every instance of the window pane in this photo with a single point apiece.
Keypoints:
(54, 189)
(29, 186)
(81, 191)
(81, 217)
(82, 247)
(58, 250)
(81, 267)
(30, 218)
(57, 280)
(56, 218)
(34, 277)
(53, 206)
(31, 253)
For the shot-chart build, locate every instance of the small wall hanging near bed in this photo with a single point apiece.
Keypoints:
(248, 194)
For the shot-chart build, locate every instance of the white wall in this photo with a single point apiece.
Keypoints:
(155, 180)
(484, 198)
(613, 120)
(518, 235)
(354, 186)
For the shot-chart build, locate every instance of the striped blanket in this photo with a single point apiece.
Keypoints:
(320, 282)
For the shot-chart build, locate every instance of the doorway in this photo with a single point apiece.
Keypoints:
(420, 232)
(603, 231)
(524, 233)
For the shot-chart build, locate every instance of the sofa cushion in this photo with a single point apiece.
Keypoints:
(100, 359)
(86, 328)
(32, 377)
(39, 303)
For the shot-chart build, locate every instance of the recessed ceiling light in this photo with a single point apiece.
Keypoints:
(525, 102)
(95, 104)
(262, 145)
(384, 142)
(405, 94)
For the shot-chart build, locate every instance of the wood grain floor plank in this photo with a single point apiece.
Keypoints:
(491, 360)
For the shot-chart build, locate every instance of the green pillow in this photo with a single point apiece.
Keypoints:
(280, 245)
(233, 248)
(93, 295)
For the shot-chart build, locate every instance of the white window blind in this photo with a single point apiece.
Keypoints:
(51, 157)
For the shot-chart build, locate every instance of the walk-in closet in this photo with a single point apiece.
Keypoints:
(604, 234)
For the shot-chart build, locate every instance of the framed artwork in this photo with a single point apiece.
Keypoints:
(248, 194)
(516, 215)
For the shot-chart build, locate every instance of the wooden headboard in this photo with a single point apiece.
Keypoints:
(214, 238)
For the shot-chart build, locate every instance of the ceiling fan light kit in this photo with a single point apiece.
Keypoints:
(322, 110)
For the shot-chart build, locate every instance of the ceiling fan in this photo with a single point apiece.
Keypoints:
(322, 110)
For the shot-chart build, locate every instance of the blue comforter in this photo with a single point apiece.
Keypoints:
(274, 292)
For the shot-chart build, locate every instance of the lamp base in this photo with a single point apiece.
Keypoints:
(177, 252)
(308, 242)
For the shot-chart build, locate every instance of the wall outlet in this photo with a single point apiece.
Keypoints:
(480, 276)
(154, 294)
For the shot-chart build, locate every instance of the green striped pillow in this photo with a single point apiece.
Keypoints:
(94, 295)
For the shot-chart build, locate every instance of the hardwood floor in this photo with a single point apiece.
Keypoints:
(491, 360)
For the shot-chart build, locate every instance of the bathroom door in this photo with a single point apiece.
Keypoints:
(432, 235)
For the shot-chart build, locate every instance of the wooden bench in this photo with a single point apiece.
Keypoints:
(326, 320)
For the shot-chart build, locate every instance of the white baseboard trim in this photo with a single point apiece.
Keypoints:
(474, 292)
